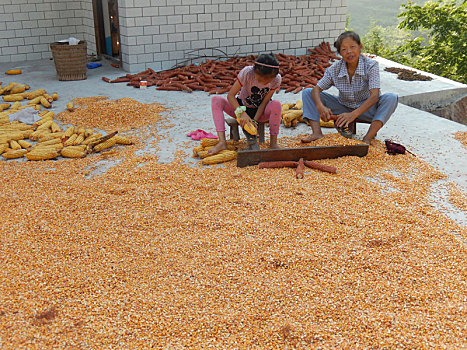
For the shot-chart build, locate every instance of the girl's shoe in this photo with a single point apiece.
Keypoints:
(345, 131)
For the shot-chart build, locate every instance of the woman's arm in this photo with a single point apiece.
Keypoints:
(345, 119)
(263, 104)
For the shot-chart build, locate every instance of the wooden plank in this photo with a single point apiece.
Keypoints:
(249, 157)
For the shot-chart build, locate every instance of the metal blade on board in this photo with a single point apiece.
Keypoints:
(250, 157)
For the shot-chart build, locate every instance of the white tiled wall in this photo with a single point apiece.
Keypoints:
(27, 27)
(162, 33)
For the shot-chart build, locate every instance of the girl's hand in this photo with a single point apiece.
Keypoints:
(244, 119)
(344, 119)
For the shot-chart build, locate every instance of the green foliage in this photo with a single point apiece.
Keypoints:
(443, 48)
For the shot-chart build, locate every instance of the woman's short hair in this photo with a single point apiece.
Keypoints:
(347, 34)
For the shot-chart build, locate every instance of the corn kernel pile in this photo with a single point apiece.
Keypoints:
(151, 255)
(462, 137)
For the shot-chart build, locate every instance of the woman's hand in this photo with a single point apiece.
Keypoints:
(344, 119)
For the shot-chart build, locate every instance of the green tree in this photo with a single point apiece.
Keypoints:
(441, 45)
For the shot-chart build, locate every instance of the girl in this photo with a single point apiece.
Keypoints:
(356, 77)
(256, 85)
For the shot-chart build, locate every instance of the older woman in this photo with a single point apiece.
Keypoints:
(357, 79)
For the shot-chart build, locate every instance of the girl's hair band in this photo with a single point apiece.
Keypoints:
(266, 65)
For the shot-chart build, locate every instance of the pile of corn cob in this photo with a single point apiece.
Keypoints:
(223, 156)
(292, 114)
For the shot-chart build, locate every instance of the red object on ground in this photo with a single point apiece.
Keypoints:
(201, 134)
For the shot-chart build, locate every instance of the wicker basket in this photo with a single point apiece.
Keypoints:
(70, 60)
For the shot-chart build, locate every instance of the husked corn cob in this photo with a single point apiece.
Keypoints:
(42, 154)
(106, 144)
(292, 114)
(4, 106)
(222, 156)
(71, 152)
(54, 135)
(13, 98)
(16, 105)
(70, 107)
(55, 96)
(11, 135)
(18, 89)
(78, 140)
(44, 102)
(70, 131)
(196, 150)
(299, 104)
(3, 147)
(46, 125)
(70, 141)
(91, 138)
(4, 119)
(49, 142)
(249, 127)
(88, 132)
(328, 124)
(81, 130)
(14, 145)
(12, 154)
(56, 146)
(48, 97)
(41, 114)
(38, 134)
(35, 101)
(33, 94)
(43, 120)
(209, 142)
(48, 114)
(55, 127)
(122, 140)
(24, 144)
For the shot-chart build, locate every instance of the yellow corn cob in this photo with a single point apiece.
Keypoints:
(48, 97)
(3, 147)
(15, 127)
(19, 153)
(48, 114)
(70, 131)
(36, 135)
(49, 142)
(70, 107)
(81, 130)
(291, 115)
(41, 114)
(24, 144)
(70, 141)
(4, 106)
(106, 144)
(51, 136)
(35, 100)
(196, 150)
(18, 89)
(44, 102)
(15, 145)
(249, 128)
(329, 124)
(298, 105)
(77, 147)
(121, 140)
(78, 140)
(33, 94)
(55, 127)
(12, 135)
(36, 107)
(55, 96)
(209, 142)
(55, 147)
(13, 98)
(70, 152)
(42, 154)
(46, 125)
(88, 132)
(91, 138)
(16, 105)
(43, 120)
(203, 154)
(223, 156)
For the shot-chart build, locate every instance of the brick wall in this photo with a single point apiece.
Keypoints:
(27, 27)
(162, 33)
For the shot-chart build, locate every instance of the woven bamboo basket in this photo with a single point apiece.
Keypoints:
(70, 60)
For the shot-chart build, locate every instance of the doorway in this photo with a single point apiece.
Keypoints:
(107, 29)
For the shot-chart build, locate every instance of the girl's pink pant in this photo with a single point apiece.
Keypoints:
(272, 114)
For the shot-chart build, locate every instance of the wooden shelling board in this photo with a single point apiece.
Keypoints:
(249, 157)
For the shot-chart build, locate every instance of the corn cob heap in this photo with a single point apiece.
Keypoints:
(220, 157)
(49, 141)
(292, 114)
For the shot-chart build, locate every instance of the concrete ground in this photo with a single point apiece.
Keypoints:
(428, 136)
